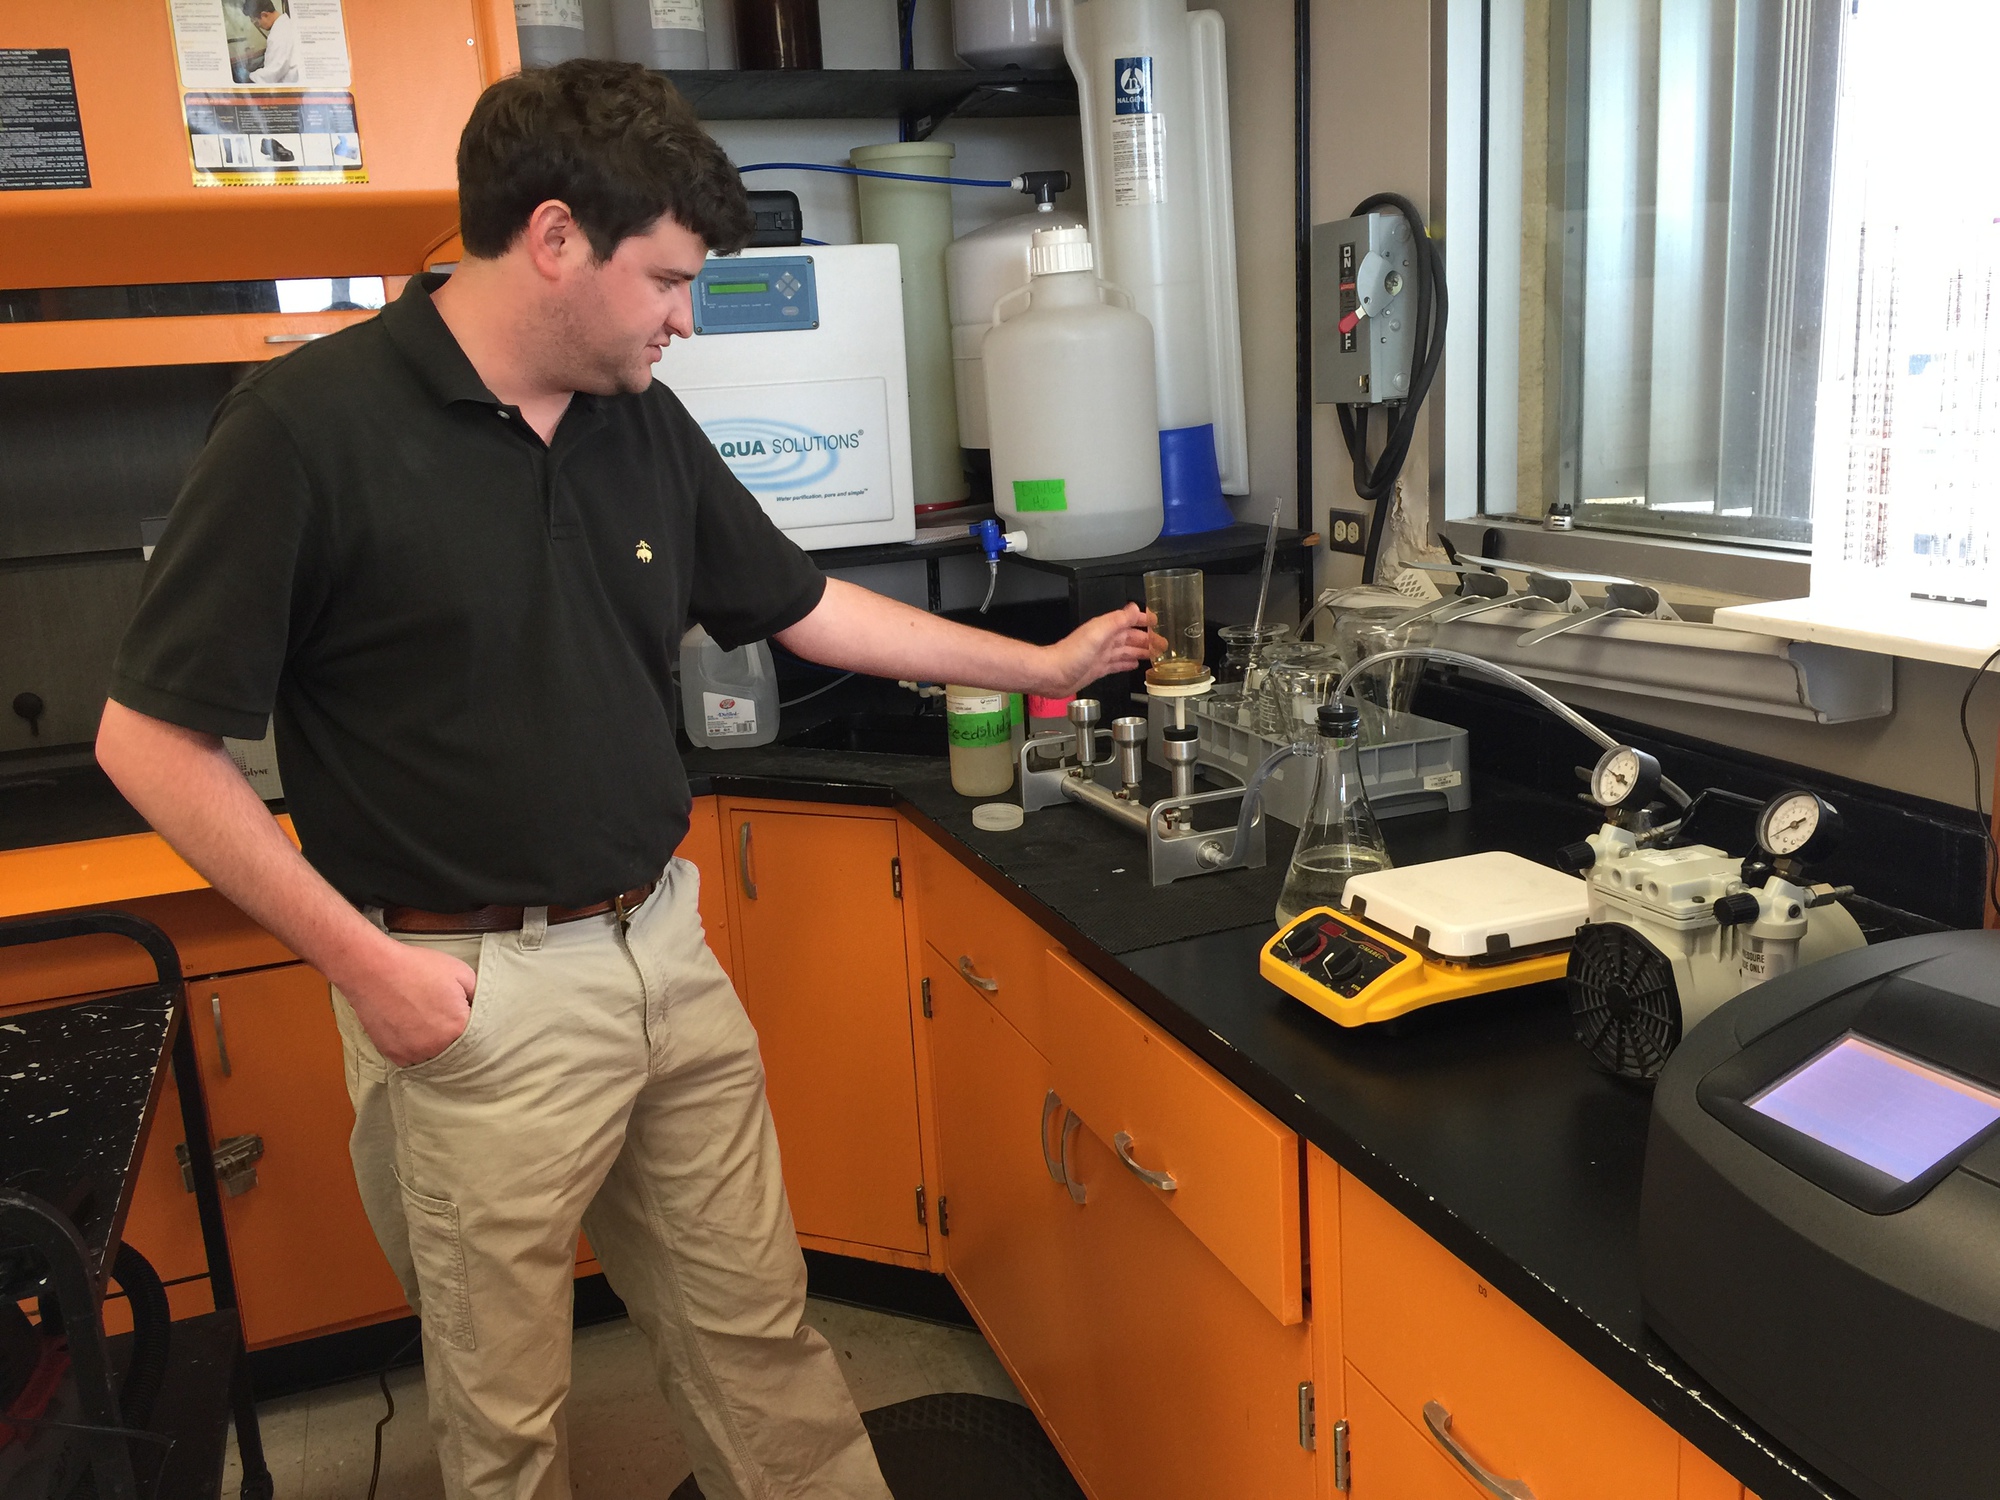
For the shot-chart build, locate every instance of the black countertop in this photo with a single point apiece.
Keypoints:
(1482, 1121)
(80, 1083)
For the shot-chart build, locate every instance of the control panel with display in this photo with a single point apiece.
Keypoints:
(767, 294)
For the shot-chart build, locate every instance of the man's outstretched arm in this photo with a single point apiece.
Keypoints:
(413, 1002)
(861, 631)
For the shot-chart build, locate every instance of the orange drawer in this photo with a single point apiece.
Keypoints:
(1422, 1327)
(1388, 1459)
(983, 936)
(1235, 1169)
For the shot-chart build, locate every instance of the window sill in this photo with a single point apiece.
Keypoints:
(1703, 574)
(1954, 634)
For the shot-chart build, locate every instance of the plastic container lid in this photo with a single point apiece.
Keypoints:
(998, 817)
(1062, 248)
(1462, 904)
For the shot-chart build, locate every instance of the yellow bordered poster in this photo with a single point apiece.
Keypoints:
(266, 92)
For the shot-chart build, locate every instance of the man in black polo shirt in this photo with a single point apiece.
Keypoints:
(454, 549)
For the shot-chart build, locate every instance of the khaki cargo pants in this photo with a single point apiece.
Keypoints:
(607, 1079)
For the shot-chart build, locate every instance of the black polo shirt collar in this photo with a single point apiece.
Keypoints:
(426, 341)
(422, 337)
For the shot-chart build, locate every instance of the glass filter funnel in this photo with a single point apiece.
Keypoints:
(1174, 595)
(1341, 838)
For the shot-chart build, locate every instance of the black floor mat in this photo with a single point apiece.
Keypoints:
(959, 1447)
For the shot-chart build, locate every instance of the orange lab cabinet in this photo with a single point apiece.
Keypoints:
(1162, 1342)
(416, 70)
(820, 959)
(1404, 1325)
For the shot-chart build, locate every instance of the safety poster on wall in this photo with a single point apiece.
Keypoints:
(266, 92)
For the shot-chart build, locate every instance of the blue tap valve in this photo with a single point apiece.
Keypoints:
(994, 542)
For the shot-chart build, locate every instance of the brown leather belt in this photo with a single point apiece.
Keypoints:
(508, 918)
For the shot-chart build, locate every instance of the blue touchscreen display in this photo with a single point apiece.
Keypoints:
(1899, 1116)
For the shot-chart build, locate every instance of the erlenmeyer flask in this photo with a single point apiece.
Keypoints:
(1341, 837)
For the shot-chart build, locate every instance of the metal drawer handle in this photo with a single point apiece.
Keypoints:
(1050, 1105)
(221, 1042)
(292, 338)
(743, 860)
(1439, 1421)
(1072, 1123)
(1164, 1181)
(991, 986)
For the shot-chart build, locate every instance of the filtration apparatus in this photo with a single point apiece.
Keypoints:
(796, 374)
(1071, 766)
(1153, 98)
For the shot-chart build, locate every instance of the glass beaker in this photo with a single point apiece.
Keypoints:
(1244, 650)
(1292, 668)
(1245, 661)
(1363, 633)
(1341, 838)
(1174, 595)
(1301, 685)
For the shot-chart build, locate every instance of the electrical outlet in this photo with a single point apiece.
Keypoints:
(1347, 531)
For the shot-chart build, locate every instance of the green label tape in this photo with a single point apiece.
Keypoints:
(974, 731)
(1040, 494)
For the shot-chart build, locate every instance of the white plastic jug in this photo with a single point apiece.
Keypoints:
(729, 699)
(1071, 408)
(980, 268)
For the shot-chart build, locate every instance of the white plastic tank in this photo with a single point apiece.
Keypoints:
(979, 269)
(1070, 408)
(660, 33)
(1153, 97)
(550, 31)
(1008, 33)
(729, 699)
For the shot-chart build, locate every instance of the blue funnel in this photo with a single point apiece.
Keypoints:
(1191, 482)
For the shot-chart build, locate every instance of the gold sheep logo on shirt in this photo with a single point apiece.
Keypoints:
(644, 551)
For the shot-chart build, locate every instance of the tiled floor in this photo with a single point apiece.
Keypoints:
(623, 1444)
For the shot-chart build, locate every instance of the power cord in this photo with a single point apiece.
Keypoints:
(1376, 482)
(389, 1400)
(1979, 783)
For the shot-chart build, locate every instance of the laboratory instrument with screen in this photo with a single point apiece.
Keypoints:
(1071, 766)
(1820, 1205)
(796, 373)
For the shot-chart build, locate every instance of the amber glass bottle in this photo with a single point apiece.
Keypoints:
(777, 33)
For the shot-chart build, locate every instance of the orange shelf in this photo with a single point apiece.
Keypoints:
(57, 877)
(97, 343)
(416, 71)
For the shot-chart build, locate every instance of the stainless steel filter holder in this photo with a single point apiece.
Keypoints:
(1072, 766)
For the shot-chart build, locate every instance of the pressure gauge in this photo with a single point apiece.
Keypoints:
(1625, 778)
(1798, 825)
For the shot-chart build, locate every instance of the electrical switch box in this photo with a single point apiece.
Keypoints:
(1364, 293)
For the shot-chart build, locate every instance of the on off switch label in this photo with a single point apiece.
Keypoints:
(1350, 299)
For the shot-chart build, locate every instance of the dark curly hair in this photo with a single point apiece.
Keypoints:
(617, 144)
